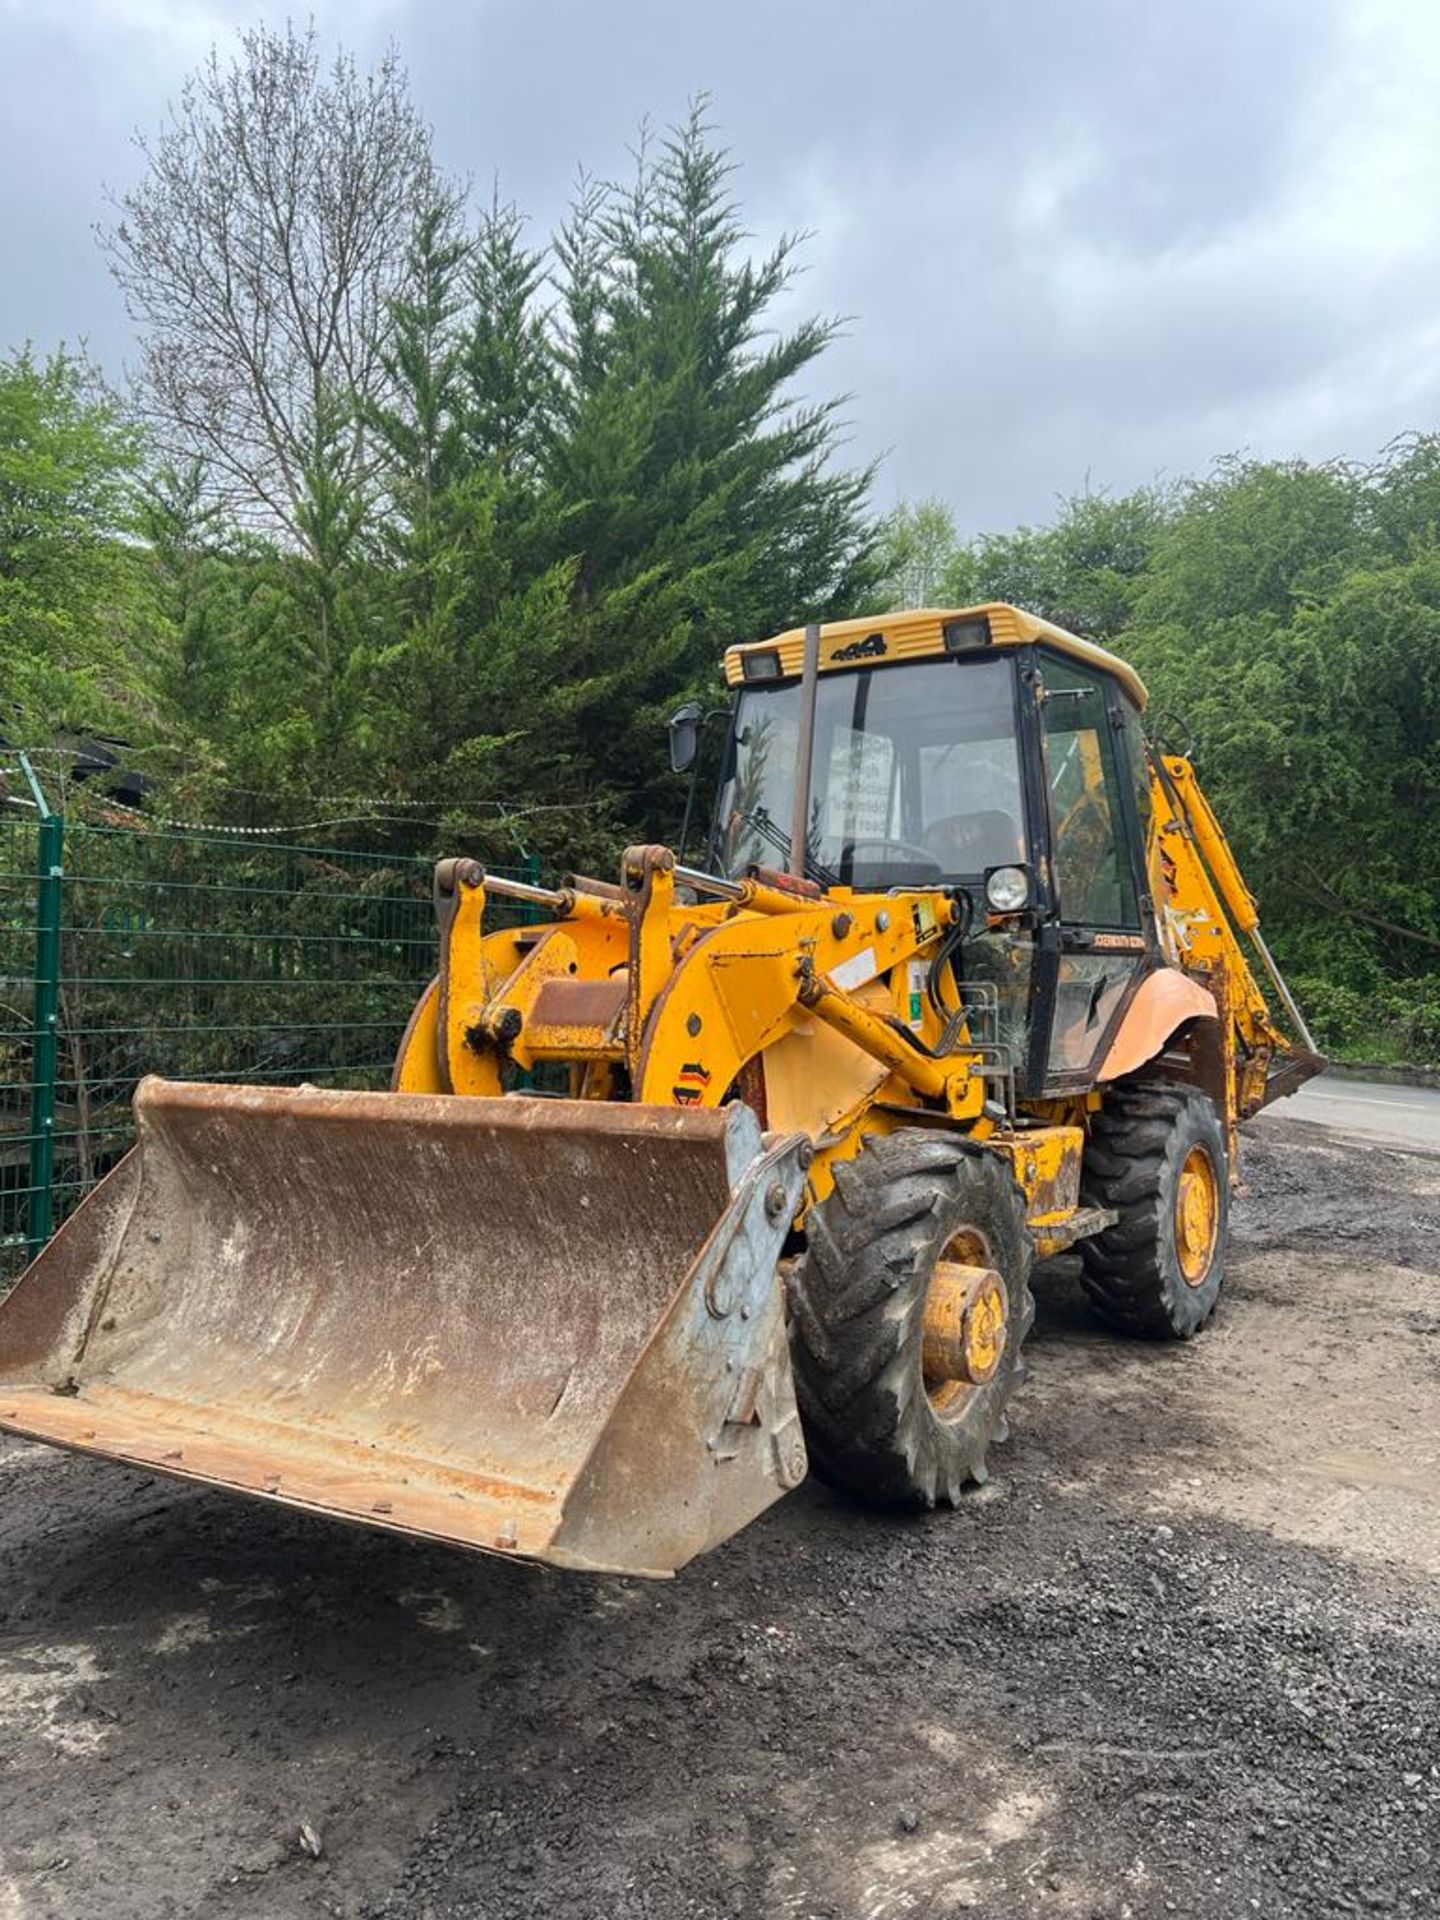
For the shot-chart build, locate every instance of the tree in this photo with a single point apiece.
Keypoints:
(417, 419)
(471, 555)
(1402, 495)
(259, 257)
(193, 583)
(702, 502)
(237, 688)
(917, 555)
(592, 494)
(72, 635)
(1301, 655)
(1252, 540)
(461, 683)
(509, 357)
(1081, 572)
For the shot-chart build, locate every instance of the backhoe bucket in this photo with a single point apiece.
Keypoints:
(552, 1329)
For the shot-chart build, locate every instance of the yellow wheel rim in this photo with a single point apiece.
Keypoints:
(1197, 1215)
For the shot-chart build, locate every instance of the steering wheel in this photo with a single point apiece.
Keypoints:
(908, 851)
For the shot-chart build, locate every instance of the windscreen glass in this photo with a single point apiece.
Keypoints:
(916, 776)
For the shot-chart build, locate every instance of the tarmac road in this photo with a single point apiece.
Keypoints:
(1366, 1110)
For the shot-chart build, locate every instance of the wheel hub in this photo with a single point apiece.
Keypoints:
(966, 1314)
(1197, 1215)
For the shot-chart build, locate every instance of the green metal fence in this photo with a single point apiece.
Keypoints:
(126, 951)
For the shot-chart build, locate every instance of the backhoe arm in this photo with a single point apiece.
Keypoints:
(1207, 914)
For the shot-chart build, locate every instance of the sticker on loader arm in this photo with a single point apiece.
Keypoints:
(917, 993)
(855, 971)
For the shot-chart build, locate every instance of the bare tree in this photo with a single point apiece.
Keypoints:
(259, 257)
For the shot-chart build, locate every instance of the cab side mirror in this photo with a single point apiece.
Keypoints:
(685, 736)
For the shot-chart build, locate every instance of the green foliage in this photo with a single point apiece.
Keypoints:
(1286, 617)
(1292, 615)
(699, 504)
(583, 476)
(236, 683)
(917, 556)
(1396, 1023)
(443, 519)
(508, 356)
(578, 505)
(71, 638)
(1402, 500)
(1082, 572)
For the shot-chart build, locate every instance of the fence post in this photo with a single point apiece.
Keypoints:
(45, 1042)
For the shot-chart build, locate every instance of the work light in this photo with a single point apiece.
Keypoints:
(760, 666)
(1007, 889)
(963, 636)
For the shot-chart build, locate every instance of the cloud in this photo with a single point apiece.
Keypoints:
(188, 28)
(1150, 289)
(185, 30)
(1103, 241)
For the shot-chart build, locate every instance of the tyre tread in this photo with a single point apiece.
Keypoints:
(856, 1299)
(1125, 1272)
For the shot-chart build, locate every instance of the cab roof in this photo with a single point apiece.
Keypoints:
(919, 633)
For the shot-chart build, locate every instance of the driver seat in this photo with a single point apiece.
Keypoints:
(975, 842)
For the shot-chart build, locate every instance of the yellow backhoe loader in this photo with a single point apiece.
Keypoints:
(964, 980)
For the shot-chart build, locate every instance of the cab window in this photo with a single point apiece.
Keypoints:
(916, 775)
(1093, 875)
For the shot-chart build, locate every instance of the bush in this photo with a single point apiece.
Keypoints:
(1397, 1024)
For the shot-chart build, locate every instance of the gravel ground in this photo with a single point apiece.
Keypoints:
(1182, 1656)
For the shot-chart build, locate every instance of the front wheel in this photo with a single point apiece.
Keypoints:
(1157, 1157)
(907, 1317)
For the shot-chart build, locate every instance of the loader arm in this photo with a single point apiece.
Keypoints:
(677, 1001)
(1206, 915)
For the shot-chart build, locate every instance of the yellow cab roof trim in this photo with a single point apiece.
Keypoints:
(918, 633)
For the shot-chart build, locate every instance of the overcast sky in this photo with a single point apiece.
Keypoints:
(1097, 240)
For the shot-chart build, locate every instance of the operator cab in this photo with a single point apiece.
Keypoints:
(984, 750)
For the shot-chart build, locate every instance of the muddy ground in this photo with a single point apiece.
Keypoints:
(1182, 1656)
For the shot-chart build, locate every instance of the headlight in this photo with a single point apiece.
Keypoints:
(1007, 889)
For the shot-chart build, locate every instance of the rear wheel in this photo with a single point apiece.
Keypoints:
(1157, 1157)
(908, 1314)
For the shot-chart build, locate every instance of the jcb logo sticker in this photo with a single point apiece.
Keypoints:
(689, 1089)
(872, 647)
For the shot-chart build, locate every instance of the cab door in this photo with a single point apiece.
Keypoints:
(1089, 736)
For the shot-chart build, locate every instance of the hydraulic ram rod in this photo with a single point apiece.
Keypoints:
(804, 752)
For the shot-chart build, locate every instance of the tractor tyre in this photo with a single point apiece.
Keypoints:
(908, 1312)
(1157, 1157)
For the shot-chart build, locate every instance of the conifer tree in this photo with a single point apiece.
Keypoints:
(700, 496)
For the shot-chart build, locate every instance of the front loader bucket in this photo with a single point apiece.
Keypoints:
(545, 1328)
